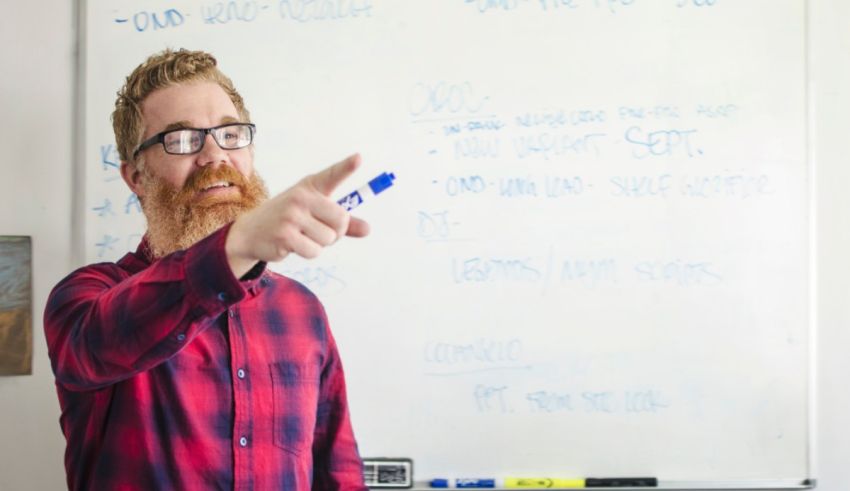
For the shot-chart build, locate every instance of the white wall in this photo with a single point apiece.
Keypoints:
(36, 159)
(36, 183)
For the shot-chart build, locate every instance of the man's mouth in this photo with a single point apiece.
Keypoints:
(217, 185)
(218, 191)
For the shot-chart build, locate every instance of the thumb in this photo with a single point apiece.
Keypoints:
(328, 179)
(357, 227)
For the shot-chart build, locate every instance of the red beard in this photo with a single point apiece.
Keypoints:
(178, 218)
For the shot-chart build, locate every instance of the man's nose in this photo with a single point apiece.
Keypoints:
(211, 153)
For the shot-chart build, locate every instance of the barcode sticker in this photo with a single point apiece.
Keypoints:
(388, 473)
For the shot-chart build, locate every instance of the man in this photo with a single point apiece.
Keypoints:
(187, 364)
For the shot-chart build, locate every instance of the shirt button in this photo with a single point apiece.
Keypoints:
(243, 442)
(181, 337)
(240, 373)
(222, 296)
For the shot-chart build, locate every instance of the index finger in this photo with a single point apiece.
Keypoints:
(327, 180)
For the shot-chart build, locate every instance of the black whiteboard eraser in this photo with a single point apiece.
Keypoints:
(388, 472)
(620, 482)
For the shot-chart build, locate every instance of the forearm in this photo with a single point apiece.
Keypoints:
(103, 325)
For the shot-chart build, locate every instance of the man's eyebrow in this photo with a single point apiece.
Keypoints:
(178, 125)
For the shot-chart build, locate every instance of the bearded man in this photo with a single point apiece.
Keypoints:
(187, 364)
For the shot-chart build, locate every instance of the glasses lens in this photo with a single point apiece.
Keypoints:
(183, 141)
(233, 136)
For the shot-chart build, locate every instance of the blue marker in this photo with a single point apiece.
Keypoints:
(463, 483)
(375, 186)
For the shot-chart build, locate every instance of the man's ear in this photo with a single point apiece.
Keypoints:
(133, 177)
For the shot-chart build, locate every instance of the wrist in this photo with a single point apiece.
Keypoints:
(238, 256)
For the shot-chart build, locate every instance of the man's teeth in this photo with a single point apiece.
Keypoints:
(220, 184)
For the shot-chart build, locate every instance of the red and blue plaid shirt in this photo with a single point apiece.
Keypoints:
(173, 374)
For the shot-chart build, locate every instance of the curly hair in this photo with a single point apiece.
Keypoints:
(161, 70)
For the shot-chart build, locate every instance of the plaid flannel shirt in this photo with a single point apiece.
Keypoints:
(173, 374)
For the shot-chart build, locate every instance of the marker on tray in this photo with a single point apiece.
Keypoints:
(462, 483)
(621, 482)
(547, 483)
(542, 483)
(373, 187)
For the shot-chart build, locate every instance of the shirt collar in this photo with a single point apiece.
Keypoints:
(138, 260)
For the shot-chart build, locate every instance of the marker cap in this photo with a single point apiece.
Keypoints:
(382, 182)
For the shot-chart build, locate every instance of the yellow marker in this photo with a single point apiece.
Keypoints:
(543, 482)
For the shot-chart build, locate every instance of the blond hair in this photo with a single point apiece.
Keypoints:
(161, 70)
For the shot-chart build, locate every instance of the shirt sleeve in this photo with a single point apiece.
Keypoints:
(336, 461)
(104, 325)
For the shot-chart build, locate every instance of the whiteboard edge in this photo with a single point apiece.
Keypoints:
(78, 135)
(811, 156)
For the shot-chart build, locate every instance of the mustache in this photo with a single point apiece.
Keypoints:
(209, 175)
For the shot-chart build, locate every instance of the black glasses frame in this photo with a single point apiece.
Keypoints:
(160, 138)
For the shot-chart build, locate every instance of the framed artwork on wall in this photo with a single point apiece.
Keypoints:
(15, 305)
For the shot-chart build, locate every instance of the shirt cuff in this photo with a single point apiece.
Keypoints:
(209, 275)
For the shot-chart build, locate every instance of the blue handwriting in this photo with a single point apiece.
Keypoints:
(560, 118)
(641, 186)
(105, 209)
(527, 186)
(488, 269)
(109, 157)
(485, 5)
(435, 225)
(444, 99)
(318, 278)
(662, 143)
(470, 126)
(548, 145)
(321, 10)
(491, 398)
(726, 185)
(559, 186)
(107, 244)
(678, 272)
(132, 205)
(458, 185)
(145, 21)
(696, 3)
(600, 402)
(716, 111)
(226, 12)
(483, 351)
(477, 147)
(652, 112)
(589, 272)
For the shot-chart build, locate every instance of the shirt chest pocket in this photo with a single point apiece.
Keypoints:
(296, 398)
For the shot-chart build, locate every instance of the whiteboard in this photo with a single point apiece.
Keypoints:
(595, 258)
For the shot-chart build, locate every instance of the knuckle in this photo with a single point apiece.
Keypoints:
(298, 197)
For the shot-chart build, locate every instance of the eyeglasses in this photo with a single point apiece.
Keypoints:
(186, 141)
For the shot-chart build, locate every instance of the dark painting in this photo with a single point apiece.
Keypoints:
(15, 305)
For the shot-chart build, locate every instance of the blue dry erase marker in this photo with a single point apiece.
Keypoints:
(463, 483)
(373, 187)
